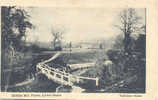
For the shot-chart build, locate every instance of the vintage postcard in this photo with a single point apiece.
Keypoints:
(76, 51)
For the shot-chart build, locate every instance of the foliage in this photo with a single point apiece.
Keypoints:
(14, 24)
(127, 65)
(118, 44)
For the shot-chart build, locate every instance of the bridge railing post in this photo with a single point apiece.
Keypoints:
(69, 79)
(54, 74)
(62, 78)
(48, 72)
(97, 81)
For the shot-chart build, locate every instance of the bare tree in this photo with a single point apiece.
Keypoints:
(57, 37)
(129, 23)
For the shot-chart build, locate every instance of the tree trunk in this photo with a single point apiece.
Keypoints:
(126, 43)
(11, 53)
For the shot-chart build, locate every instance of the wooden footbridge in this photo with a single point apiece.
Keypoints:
(62, 77)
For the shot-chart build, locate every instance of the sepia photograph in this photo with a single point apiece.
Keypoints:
(73, 50)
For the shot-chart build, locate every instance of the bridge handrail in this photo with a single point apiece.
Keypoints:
(53, 69)
(66, 74)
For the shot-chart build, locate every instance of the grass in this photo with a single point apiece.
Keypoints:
(83, 57)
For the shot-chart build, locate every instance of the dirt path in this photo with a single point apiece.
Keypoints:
(52, 58)
(27, 81)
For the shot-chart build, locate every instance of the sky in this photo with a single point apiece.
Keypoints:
(78, 24)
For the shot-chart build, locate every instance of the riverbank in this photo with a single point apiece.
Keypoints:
(39, 84)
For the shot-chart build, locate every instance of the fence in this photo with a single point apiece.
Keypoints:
(61, 76)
